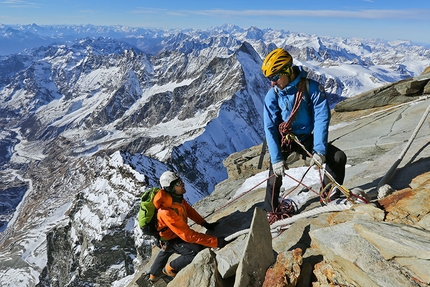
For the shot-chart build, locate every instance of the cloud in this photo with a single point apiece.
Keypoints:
(88, 11)
(20, 4)
(143, 10)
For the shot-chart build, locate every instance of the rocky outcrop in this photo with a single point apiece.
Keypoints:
(286, 271)
(381, 243)
(362, 246)
(391, 94)
(257, 255)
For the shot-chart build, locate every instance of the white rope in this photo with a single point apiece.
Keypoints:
(337, 205)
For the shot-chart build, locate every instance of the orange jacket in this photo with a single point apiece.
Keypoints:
(174, 215)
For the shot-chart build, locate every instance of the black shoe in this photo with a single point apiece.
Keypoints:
(169, 273)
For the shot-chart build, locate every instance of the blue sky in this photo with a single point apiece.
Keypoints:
(385, 19)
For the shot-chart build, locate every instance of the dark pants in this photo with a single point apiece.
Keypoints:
(187, 251)
(335, 166)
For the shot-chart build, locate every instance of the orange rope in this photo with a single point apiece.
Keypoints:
(285, 128)
(242, 194)
(287, 207)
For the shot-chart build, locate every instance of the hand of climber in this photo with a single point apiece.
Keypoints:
(221, 242)
(210, 226)
(320, 158)
(279, 168)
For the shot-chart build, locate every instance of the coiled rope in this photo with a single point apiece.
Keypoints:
(285, 128)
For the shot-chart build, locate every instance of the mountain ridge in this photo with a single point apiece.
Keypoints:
(70, 110)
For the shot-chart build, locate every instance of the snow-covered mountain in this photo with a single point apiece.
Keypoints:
(347, 66)
(100, 99)
(160, 99)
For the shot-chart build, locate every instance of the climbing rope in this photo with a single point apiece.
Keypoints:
(329, 188)
(242, 194)
(285, 128)
(283, 224)
(236, 198)
(286, 209)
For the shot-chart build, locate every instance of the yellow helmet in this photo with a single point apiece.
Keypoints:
(275, 61)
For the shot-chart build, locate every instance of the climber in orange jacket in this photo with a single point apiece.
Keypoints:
(176, 235)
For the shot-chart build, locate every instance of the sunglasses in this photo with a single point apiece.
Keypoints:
(275, 78)
(284, 71)
(179, 182)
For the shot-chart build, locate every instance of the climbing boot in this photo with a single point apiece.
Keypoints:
(153, 279)
(169, 271)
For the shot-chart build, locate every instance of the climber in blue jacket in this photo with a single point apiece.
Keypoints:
(308, 120)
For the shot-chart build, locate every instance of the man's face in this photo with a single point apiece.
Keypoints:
(180, 187)
(282, 82)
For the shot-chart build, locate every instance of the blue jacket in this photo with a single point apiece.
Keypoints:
(313, 116)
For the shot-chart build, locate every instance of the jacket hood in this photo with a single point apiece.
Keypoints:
(162, 199)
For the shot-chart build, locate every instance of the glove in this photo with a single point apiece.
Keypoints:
(210, 226)
(279, 168)
(317, 157)
(221, 242)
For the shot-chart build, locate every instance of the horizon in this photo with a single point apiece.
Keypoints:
(371, 19)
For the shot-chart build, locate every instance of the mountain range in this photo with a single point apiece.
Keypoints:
(73, 96)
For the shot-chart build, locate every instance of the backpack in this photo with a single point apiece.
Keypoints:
(147, 216)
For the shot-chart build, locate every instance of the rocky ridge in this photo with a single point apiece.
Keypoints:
(382, 243)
